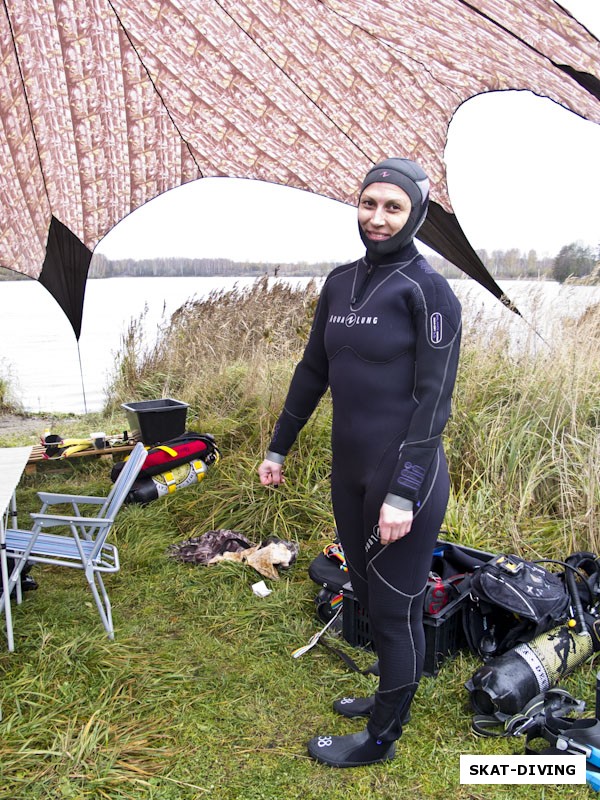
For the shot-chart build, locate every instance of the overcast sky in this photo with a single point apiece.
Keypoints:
(522, 172)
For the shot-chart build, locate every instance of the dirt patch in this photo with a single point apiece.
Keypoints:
(25, 428)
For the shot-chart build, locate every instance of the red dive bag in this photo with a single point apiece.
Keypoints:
(182, 449)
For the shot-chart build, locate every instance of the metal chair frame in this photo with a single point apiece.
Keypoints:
(82, 542)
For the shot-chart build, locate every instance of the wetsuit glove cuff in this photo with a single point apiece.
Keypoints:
(276, 457)
(403, 503)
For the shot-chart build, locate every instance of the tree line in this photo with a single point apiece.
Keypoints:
(572, 261)
(175, 266)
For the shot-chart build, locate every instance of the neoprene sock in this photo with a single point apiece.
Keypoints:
(352, 707)
(353, 750)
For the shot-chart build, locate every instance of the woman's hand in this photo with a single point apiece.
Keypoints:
(394, 523)
(271, 473)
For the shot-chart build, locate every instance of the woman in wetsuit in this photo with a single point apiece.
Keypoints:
(385, 340)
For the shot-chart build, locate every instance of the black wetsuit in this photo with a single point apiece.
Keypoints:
(385, 339)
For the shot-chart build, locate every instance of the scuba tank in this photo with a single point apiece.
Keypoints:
(508, 682)
(146, 489)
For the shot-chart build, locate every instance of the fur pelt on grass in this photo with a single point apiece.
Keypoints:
(227, 545)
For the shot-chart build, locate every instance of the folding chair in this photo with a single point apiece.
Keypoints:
(82, 542)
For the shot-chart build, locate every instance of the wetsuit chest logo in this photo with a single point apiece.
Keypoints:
(350, 320)
(435, 326)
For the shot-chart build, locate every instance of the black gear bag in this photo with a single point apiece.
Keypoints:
(512, 600)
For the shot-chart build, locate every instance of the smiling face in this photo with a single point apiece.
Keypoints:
(383, 209)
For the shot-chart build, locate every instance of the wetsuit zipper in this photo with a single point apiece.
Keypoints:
(357, 297)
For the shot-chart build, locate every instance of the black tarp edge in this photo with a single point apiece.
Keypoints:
(586, 80)
(64, 272)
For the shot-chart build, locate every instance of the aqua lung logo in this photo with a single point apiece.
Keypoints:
(435, 324)
(350, 320)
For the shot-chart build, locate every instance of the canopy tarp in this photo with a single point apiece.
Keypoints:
(105, 104)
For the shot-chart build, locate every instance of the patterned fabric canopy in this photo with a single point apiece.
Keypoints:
(104, 104)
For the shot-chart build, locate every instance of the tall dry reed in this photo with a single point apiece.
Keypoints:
(228, 354)
(523, 440)
(522, 443)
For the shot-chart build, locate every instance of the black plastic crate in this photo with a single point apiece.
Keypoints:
(444, 633)
(156, 421)
(355, 620)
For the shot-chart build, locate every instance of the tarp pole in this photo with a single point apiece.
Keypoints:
(82, 383)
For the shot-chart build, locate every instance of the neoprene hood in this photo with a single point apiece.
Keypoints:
(408, 175)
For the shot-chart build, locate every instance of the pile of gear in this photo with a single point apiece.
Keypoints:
(171, 466)
(530, 626)
(56, 446)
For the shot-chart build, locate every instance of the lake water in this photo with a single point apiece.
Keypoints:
(39, 354)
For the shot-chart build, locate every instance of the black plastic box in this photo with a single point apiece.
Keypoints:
(444, 633)
(155, 421)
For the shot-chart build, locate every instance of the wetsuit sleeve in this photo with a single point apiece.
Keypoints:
(308, 385)
(437, 319)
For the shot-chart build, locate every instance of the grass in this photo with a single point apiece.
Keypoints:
(8, 404)
(199, 696)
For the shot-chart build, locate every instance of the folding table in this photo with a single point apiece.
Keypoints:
(12, 464)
